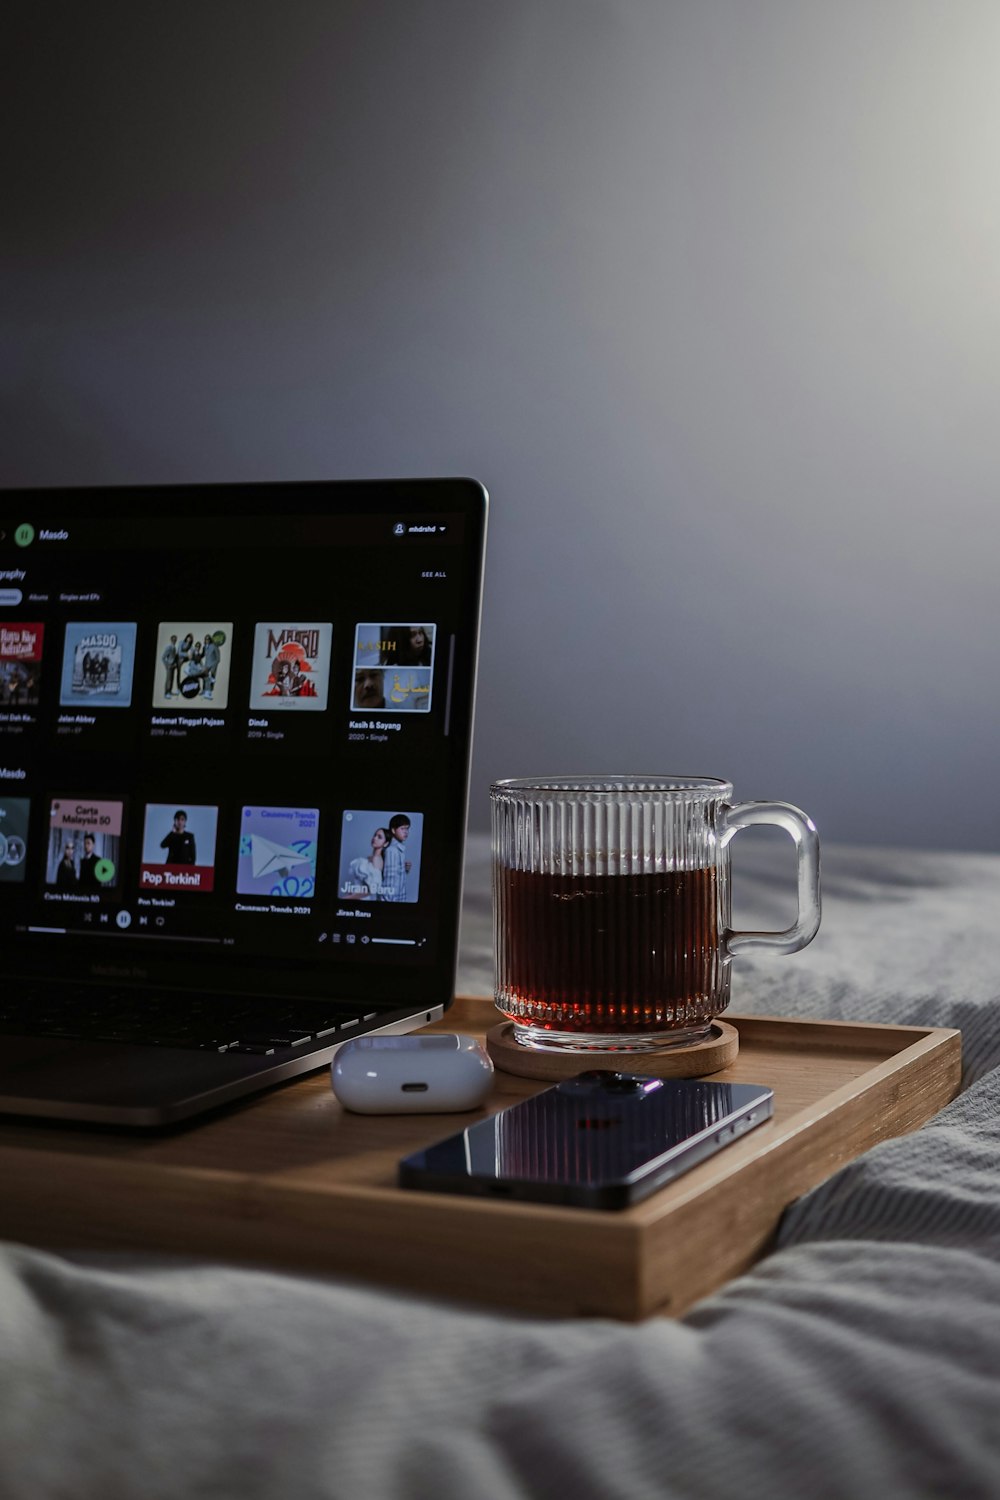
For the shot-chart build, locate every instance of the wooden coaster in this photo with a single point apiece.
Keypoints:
(717, 1051)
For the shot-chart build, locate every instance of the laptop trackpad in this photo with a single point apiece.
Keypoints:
(34, 1070)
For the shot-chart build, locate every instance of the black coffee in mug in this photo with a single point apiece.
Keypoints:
(616, 953)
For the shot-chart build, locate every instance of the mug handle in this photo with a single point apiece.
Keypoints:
(802, 829)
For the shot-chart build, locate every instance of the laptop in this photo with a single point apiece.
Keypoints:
(235, 730)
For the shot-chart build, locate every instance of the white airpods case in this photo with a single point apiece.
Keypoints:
(378, 1075)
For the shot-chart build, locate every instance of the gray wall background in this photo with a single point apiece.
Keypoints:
(705, 292)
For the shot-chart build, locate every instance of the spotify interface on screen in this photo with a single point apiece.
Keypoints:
(239, 732)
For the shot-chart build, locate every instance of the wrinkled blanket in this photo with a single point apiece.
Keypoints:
(861, 1358)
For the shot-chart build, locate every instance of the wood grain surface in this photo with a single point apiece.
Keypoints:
(291, 1180)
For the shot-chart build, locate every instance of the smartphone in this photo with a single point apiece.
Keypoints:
(599, 1140)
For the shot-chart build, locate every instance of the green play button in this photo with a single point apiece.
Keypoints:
(25, 534)
(104, 871)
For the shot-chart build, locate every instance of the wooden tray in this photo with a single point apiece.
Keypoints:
(290, 1180)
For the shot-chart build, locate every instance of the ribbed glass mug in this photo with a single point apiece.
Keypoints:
(612, 906)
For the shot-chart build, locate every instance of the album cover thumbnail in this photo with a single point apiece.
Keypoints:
(84, 844)
(98, 660)
(192, 664)
(13, 837)
(178, 847)
(291, 666)
(392, 668)
(278, 852)
(20, 664)
(380, 855)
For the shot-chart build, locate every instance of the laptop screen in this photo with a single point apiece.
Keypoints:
(234, 733)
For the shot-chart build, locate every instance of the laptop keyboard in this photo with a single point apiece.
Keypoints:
(173, 1019)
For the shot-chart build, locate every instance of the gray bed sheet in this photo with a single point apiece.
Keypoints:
(861, 1358)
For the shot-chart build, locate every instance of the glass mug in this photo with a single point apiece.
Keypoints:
(612, 906)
